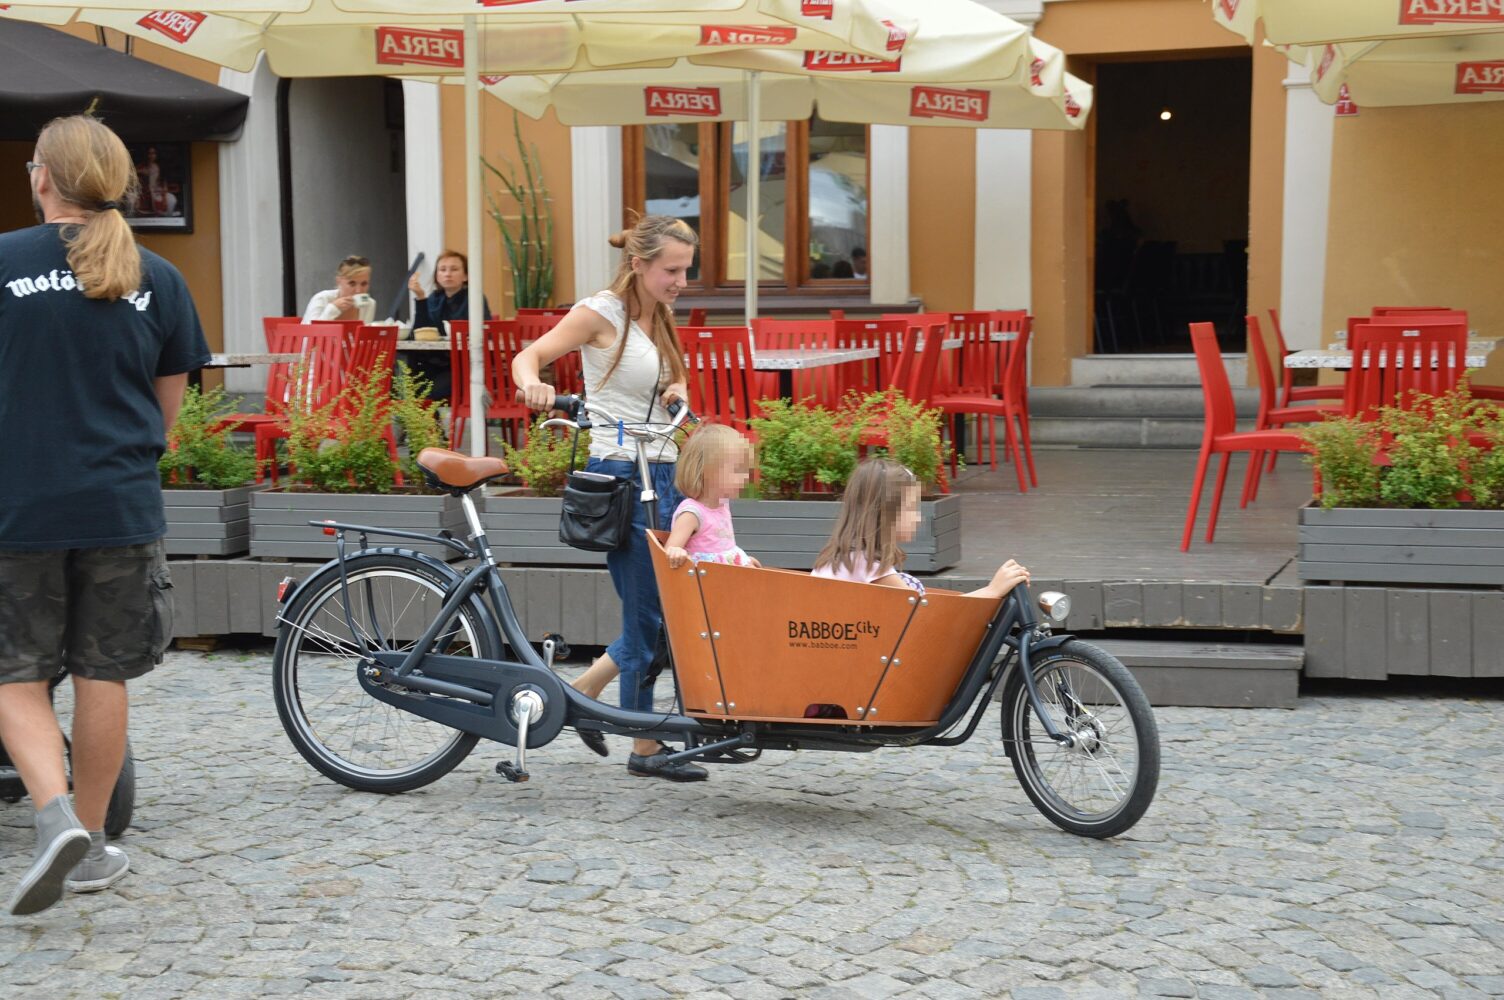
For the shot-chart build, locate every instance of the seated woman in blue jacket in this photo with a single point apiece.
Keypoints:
(450, 300)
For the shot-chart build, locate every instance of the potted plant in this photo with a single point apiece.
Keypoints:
(1414, 496)
(805, 455)
(529, 244)
(522, 522)
(206, 480)
(343, 469)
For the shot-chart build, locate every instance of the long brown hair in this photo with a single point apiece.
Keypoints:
(89, 167)
(645, 241)
(867, 526)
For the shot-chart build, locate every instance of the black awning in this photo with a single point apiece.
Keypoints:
(45, 74)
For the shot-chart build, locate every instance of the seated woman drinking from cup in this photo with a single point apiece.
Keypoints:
(350, 297)
(449, 300)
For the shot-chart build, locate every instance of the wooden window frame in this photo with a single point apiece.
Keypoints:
(715, 141)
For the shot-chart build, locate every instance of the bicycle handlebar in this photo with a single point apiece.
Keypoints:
(679, 414)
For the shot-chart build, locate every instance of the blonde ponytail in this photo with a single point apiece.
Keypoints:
(89, 168)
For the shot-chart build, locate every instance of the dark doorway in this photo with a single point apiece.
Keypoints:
(1172, 202)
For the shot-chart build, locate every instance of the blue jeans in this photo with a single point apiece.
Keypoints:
(632, 574)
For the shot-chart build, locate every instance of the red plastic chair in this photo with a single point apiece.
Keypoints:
(886, 336)
(374, 346)
(1010, 408)
(1392, 362)
(824, 384)
(1289, 391)
(501, 343)
(718, 360)
(553, 313)
(1017, 321)
(1270, 416)
(977, 369)
(1398, 310)
(838, 314)
(1220, 435)
(915, 371)
(269, 326)
(322, 348)
(698, 317)
(533, 325)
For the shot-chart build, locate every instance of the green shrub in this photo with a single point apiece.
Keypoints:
(199, 451)
(914, 433)
(1343, 450)
(1429, 453)
(1488, 465)
(797, 440)
(417, 416)
(543, 461)
(341, 447)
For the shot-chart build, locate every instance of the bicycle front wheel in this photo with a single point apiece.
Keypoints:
(342, 731)
(1102, 783)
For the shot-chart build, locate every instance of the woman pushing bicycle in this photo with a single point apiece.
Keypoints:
(633, 364)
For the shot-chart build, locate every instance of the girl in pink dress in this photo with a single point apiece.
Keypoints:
(713, 467)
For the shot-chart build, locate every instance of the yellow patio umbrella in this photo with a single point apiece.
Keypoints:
(1308, 22)
(1456, 69)
(382, 38)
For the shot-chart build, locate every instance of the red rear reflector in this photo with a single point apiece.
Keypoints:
(282, 587)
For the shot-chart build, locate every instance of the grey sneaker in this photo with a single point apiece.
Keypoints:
(101, 868)
(62, 843)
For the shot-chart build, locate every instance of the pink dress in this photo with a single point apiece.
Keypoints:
(863, 570)
(713, 540)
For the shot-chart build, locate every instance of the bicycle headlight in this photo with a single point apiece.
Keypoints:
(1055, 604)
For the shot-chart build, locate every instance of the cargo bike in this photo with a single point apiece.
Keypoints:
(390, 666)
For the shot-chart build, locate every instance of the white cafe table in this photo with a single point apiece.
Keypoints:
(244, 359)
(1342, 358)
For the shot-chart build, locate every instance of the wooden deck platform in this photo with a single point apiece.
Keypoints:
(1104, 526)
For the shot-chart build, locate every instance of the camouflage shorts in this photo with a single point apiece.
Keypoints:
(104, 613)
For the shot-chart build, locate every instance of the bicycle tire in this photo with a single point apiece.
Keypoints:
(117, 817)
(1106, 685)
(315, 617)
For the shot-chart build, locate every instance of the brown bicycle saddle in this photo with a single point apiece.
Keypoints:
(455, 471)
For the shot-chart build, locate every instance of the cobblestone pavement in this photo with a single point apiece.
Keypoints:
(1349, 848)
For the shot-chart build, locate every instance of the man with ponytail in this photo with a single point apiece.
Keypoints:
(96, 339)
(634, 367)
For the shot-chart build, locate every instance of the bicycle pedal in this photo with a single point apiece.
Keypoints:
(510, 771)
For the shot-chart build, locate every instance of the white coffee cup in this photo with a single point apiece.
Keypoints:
(362, 299)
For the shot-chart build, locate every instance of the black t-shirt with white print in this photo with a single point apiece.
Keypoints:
(80, 426)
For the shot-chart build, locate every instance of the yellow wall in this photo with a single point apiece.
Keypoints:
(942, 216)
(1417, 215)
(497, 145)
(1092, 31)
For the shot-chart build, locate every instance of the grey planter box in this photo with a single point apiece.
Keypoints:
(790, 533)
(208, 522)
(526, 530)
(1378, 545)
(280, 528)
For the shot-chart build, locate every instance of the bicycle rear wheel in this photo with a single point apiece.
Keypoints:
(342, 731)
(1102, 784)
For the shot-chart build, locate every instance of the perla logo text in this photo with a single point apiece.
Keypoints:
(896, 36)
(818, 8)
(746, 34)
(945, 102)
(179, 25)
(1480, 77)
(849, 62)
(702, 102)
(1452, 11)
(411, 47)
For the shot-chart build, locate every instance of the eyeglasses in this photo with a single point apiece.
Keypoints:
(348, 261)
(32, 165)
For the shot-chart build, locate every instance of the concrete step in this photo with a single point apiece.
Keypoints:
(1141, 369)
(1124, 416)
(1136, 401)
(1212, 675)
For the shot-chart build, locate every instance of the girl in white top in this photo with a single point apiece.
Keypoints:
(634, 367)
(349, 299)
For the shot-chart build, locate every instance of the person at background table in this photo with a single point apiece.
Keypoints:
(449, 300)
(350, 297)
(634, 368)
(97, 337)
(858, 264)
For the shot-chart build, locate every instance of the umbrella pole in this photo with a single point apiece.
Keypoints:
(477, 241)
(754, 189)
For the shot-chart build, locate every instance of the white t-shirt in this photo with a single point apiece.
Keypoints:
(321, 308)
(639, 379)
